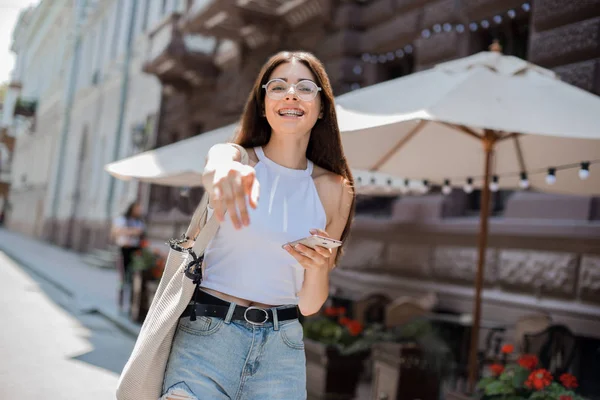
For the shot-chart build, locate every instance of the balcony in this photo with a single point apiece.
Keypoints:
(25, 107)
(177, 59)
(252, 21)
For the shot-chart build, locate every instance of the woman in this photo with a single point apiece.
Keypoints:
(127, 232)
(244, 340)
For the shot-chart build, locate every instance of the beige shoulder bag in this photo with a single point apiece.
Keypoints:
(143, 375)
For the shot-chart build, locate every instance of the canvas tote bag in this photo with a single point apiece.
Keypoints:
(143, 375)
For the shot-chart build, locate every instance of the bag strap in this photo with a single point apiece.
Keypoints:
(201, 229)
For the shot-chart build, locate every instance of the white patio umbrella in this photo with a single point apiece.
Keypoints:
(178, 164)
(181, 163)
(484, 115)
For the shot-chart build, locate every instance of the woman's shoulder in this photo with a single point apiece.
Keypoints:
(328, 178)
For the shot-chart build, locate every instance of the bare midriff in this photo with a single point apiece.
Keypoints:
(236, 300)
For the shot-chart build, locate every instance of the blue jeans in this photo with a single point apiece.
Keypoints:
(214, 359)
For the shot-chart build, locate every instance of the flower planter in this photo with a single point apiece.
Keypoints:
(331, 375)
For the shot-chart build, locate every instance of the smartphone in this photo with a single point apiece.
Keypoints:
(316, 240)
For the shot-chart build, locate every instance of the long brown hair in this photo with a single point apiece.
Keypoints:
(325, 143)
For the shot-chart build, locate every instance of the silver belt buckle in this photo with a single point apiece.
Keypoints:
(256, 308)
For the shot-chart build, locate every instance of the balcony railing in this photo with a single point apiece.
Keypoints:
(177, 58)
(251, 21)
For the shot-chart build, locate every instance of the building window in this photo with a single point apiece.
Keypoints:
(163, 8)
(513, 35)
(396, 68)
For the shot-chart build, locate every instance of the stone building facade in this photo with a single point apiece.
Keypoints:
(535, 263)
(360, 42)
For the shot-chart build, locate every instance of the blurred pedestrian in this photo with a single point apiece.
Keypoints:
(241, 333)
(127, 232)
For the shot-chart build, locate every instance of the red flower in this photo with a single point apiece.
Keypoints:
(539, 379)
(355, 327)
(144, 243)
(528, 361)
(508, 348)
(331, 311)
(565, 397)
(497, 369)
(345, 321)
(568, 381)
(335, 311)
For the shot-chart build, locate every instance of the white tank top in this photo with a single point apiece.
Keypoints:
(250, 263)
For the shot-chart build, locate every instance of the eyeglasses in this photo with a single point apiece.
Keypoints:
(277, 89)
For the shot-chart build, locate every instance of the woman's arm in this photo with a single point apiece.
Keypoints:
(228, 182)
(319, 262)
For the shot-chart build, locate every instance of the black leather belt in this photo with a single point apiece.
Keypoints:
(211, 306)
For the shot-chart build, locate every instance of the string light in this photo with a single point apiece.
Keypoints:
(425, 187)
(440, 28)
(524, 182)
(584, 170)
(494, 185)
(184, 191)
(446, 189)
(468, 188)
(551, 177)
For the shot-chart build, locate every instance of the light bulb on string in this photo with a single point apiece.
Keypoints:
(584, 170)
(447, 27)
(184, 191)
(437, 28)
(511, 13)
(526, 7)
(446, 189)
(399, 53)
(408, 49)
(468, 188)
(359, 181)
(494, 186)
(406, 187)
(551, 177)
(426, 33)
(524, 181)
(366, 57)
(388, 187)
(460, 28)
(425, 188)
(485, 24)
(473, 26)
(497, 19)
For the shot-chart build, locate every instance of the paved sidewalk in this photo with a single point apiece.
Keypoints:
(90, 288)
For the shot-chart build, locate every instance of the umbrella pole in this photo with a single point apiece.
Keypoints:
(488, 142)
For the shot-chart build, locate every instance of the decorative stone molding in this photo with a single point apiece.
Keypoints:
(347, 15)
(439, 12)
(584, 75)
(548, 14)
(362, 254)
(389, 35)
(409, 260)
(571, 43)
(547, 272)
(460, 263)
(589, 278)
(345, 42)
(376, 12)
(487, 8)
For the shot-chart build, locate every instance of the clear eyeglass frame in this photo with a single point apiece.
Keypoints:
(303, 96)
